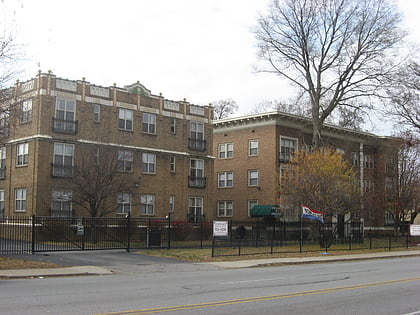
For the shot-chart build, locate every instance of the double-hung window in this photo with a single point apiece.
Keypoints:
(253, 147)
(96, 112)
(2, 162)
(149, 123)
(148, 163)
(251, 204)
(288, 148)
(225, 150)
(195, 209)
(225, 179)
(26, 113)
(253, 178)
(65, 116)
(1, 203)
(196, 178)
(147, 204)
(123, 203)
(125, 119)
(225, 208)
(20, 199)
(125, 160)
(63, 160)
(196, 140)
(172, 164)
(61, 204)
(22, 154)
(171, 203)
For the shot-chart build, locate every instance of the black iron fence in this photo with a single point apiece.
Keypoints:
(45, 234)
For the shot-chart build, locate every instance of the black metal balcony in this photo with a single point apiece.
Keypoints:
(197, 144)
(196, 182)
(59, 170)
(65, 126)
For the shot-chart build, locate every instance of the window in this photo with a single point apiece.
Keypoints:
(172, 126)
(368, 161)
(125, 119)
(149, 123)
(225, 179)
(368, 186)
(253, 178)
(253, 147)
(96, 156)
(196, 178)
(147, 204)
(26, 114)
(2, 162)
(225, 151)
(65, 114)
(148, 163)
(123, 203)
(251, 204)
(1, 203)
(288, 148)
(195, 209)
(225, 208)
(196, 140)
(22, 154)
(96, 112)
(125, 160)
(61, 205)
(63, 160)
(20, 199)
(355, 158)
(4, 124)
(171, 203)
(172, 164)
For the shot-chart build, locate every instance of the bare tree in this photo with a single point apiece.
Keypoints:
(97, 181)
(224, 108)
(336, 51)
(404, 93)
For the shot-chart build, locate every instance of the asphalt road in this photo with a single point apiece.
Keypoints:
(384, 286)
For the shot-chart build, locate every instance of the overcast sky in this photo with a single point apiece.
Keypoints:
(201, 50)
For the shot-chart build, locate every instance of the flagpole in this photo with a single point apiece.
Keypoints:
(301, 233)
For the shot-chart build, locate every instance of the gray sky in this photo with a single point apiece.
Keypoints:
(201, 50)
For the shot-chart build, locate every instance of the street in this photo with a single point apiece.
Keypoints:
(382, 286)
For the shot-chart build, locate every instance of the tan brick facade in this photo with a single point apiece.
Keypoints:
(73, 115)
(276, 129)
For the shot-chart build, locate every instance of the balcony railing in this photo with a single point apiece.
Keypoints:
(196, 182)
(65, 126)
(196, 144)
(59, 170)
(57, 213)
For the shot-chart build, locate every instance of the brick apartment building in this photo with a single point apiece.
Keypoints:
(163, 148)
(252, 150)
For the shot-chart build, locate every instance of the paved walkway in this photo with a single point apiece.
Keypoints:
(97, 270)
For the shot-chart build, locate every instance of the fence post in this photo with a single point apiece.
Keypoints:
(201, 232)
(389, 243)
(350, 241)
(33, 235)
(370, 240)
(408, 236)
(169, 230)
(128, 232)
(212, 247)
(272, 237)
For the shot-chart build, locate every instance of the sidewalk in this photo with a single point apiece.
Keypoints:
(96, 270)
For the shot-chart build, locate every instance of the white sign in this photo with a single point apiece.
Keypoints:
(414, 230)
(220, 228)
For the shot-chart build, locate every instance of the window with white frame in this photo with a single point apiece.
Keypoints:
(20, 199)
(2, 162)
(63, 160)
(225, 150)
(172, 125)
(196, 140)
(149, 123)
(148, 163)
(288, 148)
(1, 203)
(123, 203)
(197, 178)
(22, 154)
(61, 203)
(125, 119)
(125, 160)
(65, 116)
(225, 208)
(225, 179)
(195, 209)
(253, 147)
(96, 156)
(147, 204)
(172, 164)
(171, 203)
(96, 112)
(355, 158)
(251, 204)
(368, 161)
(26, 112)
(253, 178)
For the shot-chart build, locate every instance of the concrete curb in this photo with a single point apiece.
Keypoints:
(54, 272)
